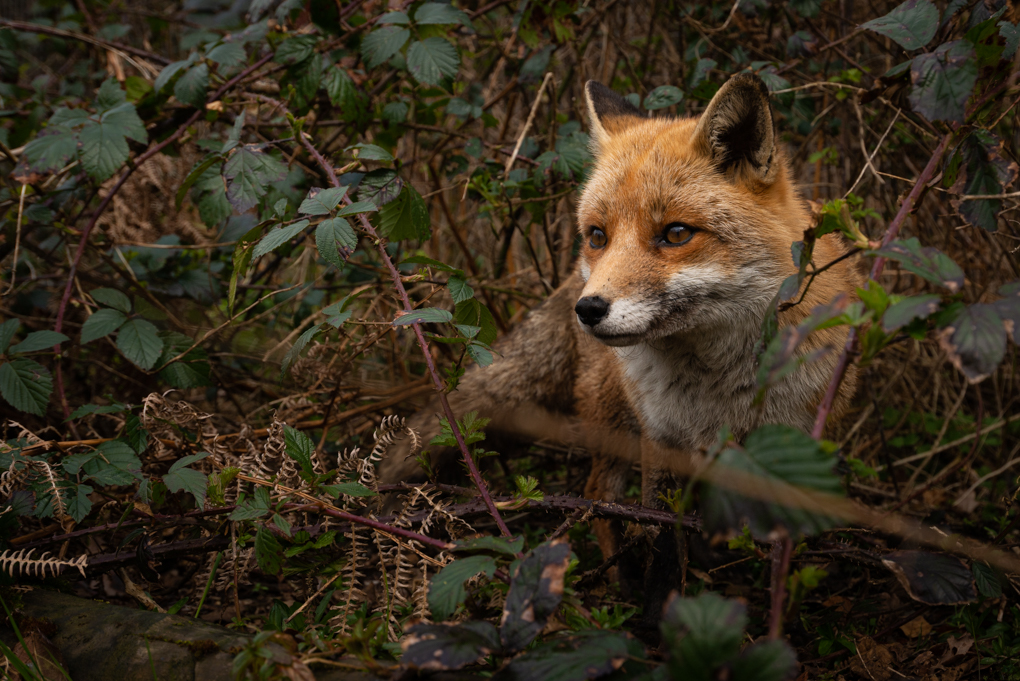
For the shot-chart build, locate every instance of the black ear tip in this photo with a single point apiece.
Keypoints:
(595, 88)
(608, 104)
(748, 79)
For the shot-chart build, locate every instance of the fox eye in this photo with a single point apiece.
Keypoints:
(677, 234)
(598, 238)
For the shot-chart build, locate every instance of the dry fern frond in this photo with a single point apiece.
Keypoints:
(352, 576)
(25, 564)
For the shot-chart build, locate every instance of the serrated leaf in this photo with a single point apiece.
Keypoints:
(932, 578)
(459, 289)
(975, 341)
(268, 552)
(124, 118)
(101, 323)
(987, 580)
(52, 149)
(372, 152)
(140, 342)
(943, 80)
(504, 545)
(472, 312)
(296, 49)
(298, 346)
(663, 96)
(191, 87)
(26, 385)
(168, 73)
(535, 592)
(79, 505)
(440, 647)
(322, 201)
(984, 169)
(329, 234)
(87, 409)
(912, 24)
(446, 591)
(587, 655)
(778, 456)
(382, 43)
(425, 315)
(39, 340)
(277, 237)
(405, 218)
(299, 447)
(925, 261)
(343, 93)
(350, 489)
(187, 480)
(357, 208)
(7, 331)
(765, 661)
(394, 18)
(702, 634)
(109, 95)
(907, 310)
(103, 150)
(380, 186)
(197, 172)
(440, 13)
(228, 54)
(431, 59)
(248, 172)
(112, 298)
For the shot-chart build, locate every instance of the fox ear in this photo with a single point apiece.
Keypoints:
(737, 127)
(608, 112)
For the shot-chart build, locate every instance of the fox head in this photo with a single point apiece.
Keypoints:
(686, 222)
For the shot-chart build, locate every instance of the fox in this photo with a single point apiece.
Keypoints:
(687, 225)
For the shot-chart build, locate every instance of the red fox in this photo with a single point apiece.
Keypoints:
(687, 226)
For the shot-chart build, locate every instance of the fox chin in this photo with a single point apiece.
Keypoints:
(687, 226)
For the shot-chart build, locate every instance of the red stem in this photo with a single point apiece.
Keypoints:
(374, 524)
(781, 551)
(476, 476)
(850, 347)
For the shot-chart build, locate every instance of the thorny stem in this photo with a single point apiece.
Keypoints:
(398, 283)
(906, 208)
(132, 167)
(781, 551)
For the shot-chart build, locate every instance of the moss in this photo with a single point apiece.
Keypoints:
(199, 648)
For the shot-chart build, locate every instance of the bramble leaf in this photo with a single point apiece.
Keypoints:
(277, 237)
(382, 43)
(943, 80)
(101, 323)
(26, 385)
(332, 232)
(912, 25)
(663, 96)
(446, 591)
(405, 218)
(140, 342)
(431, 59)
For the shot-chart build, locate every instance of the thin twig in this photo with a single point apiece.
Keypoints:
(17, 240)
(527, 124)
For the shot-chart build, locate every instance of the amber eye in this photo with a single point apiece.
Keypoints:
(677, 234)
(598, 238)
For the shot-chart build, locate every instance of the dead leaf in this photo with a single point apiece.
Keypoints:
(916, 627)
(957, 647)
(839, 603)
(872, 661)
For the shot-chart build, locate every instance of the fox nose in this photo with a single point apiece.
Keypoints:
(591, 310)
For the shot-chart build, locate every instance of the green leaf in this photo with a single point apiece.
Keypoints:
(589, 655)
(405, 218)
(124, 118)
(912, 25)
(943, 80)
(103, 150)
(924, 261)
(79, 505)
(343, 93)
(382, 43)
(322, 201)
(663, 96)
(109, 95)
(7, 331)
(112, 298)
(190, 88)
(372, 152)
(459, 289)
(424, 315)
(299, 447)
(168, 73)
(52, 149)
(229, 54)
(101, 323)
(181, 478)
(765, 661)
(907, 310)
(393, 18)
(504, 545)
(932, 578)
(975, 341)
(277, 237)
(983, 169)
(702, 634)
(351, 489)
(268, 552)
(987, 580)
(140, 342)
(26, 385)
(356, 208)
(299, 345)
(446, 592)
(296, 49)
(380, 186)
(535, 592)
(331, 232)
(39, 340)
(256, 507)
(440, 13)
(248, 172)
(780, 457)
(87, 409)
(200, 168)
(431, 59)
(472, 312)
(440, 647)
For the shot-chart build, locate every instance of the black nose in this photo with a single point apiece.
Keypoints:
(591, 310)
